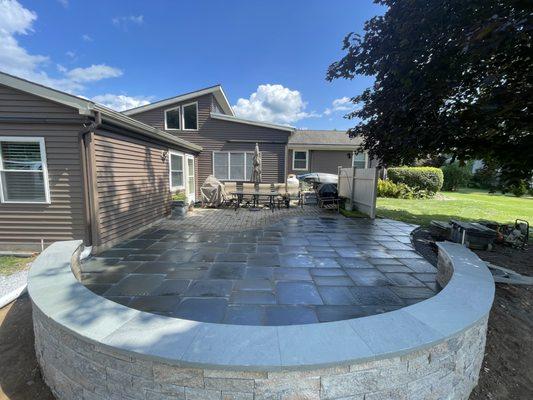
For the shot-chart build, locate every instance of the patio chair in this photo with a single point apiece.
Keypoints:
(248, 187)
(230, 188)
(265, 188)
(293, 192)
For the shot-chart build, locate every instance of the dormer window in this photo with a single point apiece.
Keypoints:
(183, 117)
(190, 117)
(172, 118)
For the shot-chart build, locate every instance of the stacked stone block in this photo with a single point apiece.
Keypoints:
(78, 369)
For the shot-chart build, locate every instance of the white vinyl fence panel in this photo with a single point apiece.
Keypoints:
(359, 186)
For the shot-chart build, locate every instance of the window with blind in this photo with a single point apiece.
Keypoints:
(299, 160)
(233, 166)
(359, 160)
(176, 170)
(23, 171)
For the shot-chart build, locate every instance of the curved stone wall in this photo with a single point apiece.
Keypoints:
(91, 348)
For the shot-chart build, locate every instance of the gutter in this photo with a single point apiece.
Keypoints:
(86, 139)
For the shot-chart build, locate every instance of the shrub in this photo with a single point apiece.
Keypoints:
(429, 179)
(518, 188)
(387, 188)
(485, 178)
(455, 176)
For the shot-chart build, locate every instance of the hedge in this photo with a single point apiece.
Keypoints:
(421, 178)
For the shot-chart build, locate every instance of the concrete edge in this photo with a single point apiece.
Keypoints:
(466, 299)
(13, 295)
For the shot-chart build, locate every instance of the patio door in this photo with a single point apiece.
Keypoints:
(191, 182)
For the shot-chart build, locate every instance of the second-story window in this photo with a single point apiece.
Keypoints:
(172, 118)
(190, 117)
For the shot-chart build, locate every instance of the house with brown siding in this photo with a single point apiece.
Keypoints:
(73, 169)
(206, 118)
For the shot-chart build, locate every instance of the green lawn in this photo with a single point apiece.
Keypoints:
(9, 264)
(465, 204)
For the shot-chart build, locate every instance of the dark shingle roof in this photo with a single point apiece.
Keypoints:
(314, 137)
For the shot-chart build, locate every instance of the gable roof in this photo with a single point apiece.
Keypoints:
(89, 108)
(216, 91)
(323, 139)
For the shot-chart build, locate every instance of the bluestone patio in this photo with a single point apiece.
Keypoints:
(308, 268)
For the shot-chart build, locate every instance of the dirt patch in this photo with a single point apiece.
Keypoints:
(506, 370)
(20, 377)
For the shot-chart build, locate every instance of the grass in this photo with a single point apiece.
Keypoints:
(466, 205)
(352, 214)
(10, 264)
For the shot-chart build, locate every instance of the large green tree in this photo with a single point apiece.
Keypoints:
(451, 77)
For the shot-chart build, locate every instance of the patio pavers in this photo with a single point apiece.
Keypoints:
(304, 269)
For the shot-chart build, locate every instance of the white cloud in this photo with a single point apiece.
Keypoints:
(273, 103)
(120, 102)
(16, 60)
(93, 73)
(86, 38)
(125, 21)
(64, 3)
(341, 104)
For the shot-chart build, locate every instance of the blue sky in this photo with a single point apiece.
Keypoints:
(270, 56)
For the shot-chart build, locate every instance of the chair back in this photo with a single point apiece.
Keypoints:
(279, 187)
(248, 187)
(230, 187)
(265, 188)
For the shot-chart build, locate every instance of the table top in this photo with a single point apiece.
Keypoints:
(255, 193)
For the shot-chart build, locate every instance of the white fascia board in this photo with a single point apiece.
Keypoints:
(339, 147)
(224, 117)
(223, 101)
(36, 89)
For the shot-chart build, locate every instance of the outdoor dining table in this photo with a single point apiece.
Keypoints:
(255, 197)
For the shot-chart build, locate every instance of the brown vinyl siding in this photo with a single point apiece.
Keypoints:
(217, 135)
(326, 161)
(132, 185)
(22, 226)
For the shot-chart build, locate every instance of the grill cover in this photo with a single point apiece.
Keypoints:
(213, 192)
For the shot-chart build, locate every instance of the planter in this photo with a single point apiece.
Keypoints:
(179, 208)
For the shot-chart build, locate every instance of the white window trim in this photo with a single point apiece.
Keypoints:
(42, 148)
(183, 116)
(353, 159)
(180, 119)
(191, 196)
(246, 153)
(306, 160)
(170, 154)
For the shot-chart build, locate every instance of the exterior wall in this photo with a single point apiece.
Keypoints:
(133, 188)
(22, 226)
(217, 135)
(326, 161)
(78, 369)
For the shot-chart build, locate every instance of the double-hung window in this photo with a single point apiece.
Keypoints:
(176, 171)
(182, 117)
(300, 160)
(233, 165)
(359, 160)
(23, 170)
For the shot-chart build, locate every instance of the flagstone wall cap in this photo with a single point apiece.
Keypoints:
(466, 299)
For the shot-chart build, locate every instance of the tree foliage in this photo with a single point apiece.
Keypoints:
(451, 77)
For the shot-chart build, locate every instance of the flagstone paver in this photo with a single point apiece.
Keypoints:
(293, 266)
